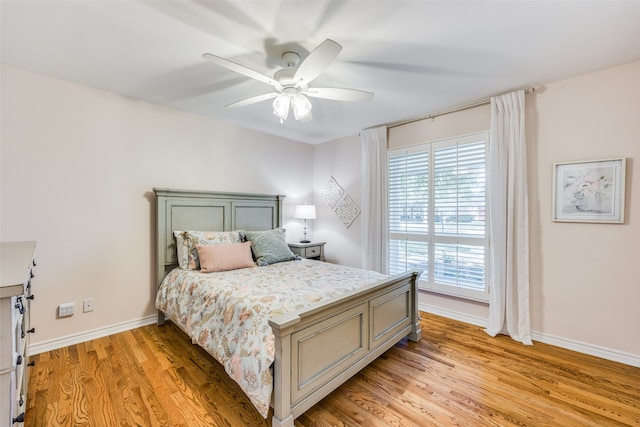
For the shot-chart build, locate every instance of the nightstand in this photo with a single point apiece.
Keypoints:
(313, 250)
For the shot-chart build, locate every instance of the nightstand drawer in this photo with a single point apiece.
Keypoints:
(312, 251)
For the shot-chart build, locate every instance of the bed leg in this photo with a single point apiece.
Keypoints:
(160, 318)
(415, 335)
(416, 330)
(287, 422)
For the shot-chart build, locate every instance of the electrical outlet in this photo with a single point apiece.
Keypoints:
(65, 310)
(87, 305)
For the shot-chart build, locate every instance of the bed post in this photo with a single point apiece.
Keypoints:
(416, 331)
(161, 218)
(282, 416)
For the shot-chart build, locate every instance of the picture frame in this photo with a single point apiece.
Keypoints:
(589, 191)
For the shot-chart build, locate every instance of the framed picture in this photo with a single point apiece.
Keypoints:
(591, 191)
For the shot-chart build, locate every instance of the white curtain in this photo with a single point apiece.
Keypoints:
(374, 199)
(509, 220)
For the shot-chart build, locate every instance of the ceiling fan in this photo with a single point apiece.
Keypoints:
(291, 84)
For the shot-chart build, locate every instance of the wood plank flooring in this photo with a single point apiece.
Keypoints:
(456, 376)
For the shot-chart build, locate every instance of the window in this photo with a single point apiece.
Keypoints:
(437, 214)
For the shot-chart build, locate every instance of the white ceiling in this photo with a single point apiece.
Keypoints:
(419, 57)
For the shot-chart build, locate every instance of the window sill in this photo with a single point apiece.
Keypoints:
(453, 291)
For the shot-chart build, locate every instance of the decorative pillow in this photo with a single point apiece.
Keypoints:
(186, 242)
(223, 257)
(270, 246)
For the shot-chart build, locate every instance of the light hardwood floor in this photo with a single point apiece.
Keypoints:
(456, 376)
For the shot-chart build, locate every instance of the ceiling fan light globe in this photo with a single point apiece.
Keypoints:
(281, 106)
(301, 106)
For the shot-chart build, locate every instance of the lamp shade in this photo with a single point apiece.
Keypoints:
(301, 106)
(281, 106)
(305, 212)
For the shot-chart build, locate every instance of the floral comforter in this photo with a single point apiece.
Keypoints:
(227, 313)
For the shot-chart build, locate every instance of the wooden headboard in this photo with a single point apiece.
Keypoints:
(208, 211)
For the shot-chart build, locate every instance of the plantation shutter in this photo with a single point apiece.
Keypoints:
(437, 214)
(460, 206)
(408, 211)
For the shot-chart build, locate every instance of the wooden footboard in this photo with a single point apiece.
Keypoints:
(319, 349)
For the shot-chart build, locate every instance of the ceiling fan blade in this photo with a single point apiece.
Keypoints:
(241, 69)
(319, 59)
(339, 94)
(252, 100)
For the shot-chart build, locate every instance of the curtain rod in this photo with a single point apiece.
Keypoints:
(441, 113)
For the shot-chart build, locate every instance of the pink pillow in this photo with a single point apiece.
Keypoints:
(225, 257)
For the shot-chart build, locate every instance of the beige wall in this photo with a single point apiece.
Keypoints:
(584, 277)
(78, 168)
(340, 159)
(463, 122)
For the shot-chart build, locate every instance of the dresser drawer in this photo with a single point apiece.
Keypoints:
(18, 404)
(20, 317)
(10, 404)
(12, 315)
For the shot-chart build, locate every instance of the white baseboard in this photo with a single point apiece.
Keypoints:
(452, 314)
(590, 349)
(81, 337)
(569, 344)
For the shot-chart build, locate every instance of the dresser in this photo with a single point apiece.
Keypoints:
(16, 274)
(312, 250)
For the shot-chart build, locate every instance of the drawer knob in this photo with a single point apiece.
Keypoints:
(32, 363)
(32, 330)
(19, 418)
(34, 262)
(19, 305)
(31, 297)
(32, 275)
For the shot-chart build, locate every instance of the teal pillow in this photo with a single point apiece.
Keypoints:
(269, 246)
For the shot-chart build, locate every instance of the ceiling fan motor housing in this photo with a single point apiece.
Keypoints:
(291, 59)
(285, 77)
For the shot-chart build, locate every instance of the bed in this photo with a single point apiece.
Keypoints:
(352, 328)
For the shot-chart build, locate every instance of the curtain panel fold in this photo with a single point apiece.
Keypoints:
(374, 199)
(509, 220)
